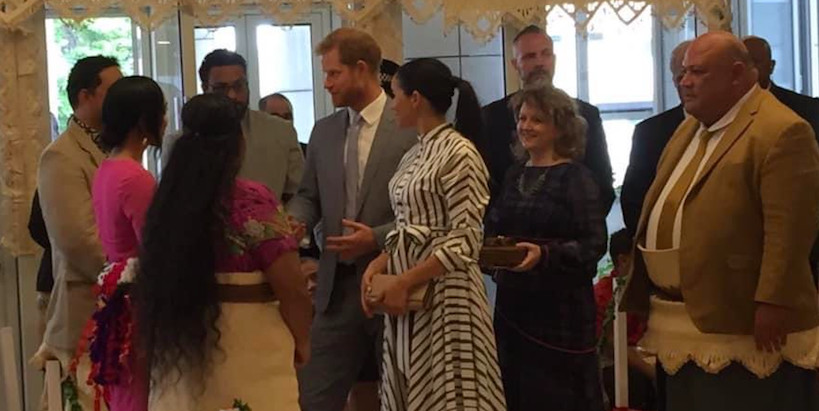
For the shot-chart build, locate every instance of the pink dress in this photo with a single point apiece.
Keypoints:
(122, 193)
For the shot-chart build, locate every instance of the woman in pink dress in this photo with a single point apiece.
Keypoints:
(133, 116)
(222, 308)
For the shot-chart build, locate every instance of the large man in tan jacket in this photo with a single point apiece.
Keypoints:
(65, 175)
(721, 265)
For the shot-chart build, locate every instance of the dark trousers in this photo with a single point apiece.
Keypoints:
(345, 347)
(735, 388)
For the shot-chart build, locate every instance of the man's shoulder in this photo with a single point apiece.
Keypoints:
(672, 117)
(64, 147)
(806, 107)
(268, 121)
(586, 109)
(774, 117)
(332, 119)
(499, 105)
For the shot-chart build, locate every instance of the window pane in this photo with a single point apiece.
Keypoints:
(68, 42)
(814, 46)
(166, 51)
(621, 59)
(292, 44)
(486, 75)
(562, 30)
(207, 39)
(428, 39)
(619, 129)
(773, 21)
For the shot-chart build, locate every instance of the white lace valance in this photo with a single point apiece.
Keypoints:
(482, 18)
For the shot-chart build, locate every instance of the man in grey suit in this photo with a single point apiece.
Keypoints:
(65, 175)
(272, 153)
(351, 157)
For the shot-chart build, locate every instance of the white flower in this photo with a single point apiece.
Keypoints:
(254, 229)
(129, 272)
(104, 273)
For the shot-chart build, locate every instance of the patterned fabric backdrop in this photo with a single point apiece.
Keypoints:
(482, 18)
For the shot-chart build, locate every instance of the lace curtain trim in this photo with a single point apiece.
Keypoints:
(481, 18)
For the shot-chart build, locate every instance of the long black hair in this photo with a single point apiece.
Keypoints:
(434, 80)
(130, 103)
(175, 293)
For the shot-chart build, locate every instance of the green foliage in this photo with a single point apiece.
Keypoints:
(604, 267)
(70, 396)
(241, 406)
(108, 36)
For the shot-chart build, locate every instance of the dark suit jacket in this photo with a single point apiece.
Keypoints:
(805, 106)
(37, 230)
(499, 125)
(650, 137)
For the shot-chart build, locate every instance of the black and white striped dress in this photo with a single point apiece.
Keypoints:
(444, 357)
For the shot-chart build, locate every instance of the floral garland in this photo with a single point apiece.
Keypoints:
(107, 336)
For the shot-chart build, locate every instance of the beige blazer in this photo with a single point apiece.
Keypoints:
(65, 177)
(748, 223)
(273, 155)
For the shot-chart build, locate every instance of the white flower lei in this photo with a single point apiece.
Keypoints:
(128, 273)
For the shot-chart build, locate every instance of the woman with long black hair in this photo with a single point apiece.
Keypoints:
(133, 117)
(442, 355)
(222, 309)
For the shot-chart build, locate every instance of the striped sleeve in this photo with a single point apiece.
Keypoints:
(464, 180)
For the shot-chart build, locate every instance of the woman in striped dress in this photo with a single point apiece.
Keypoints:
(442, 357)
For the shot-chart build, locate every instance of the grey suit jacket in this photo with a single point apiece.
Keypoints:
(321, 195)
(65, 178)
(272, 155)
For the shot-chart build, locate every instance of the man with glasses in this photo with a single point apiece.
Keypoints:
(272, 153)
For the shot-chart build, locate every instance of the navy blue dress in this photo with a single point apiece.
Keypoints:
(545, 318)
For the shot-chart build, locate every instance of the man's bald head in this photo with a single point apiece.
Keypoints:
(718, 71)
(760, 52)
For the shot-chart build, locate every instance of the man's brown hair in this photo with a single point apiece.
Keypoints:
(353, 46)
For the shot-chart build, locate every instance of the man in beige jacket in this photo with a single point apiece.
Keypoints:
(721, 265)
(272, 155)
(65, 176)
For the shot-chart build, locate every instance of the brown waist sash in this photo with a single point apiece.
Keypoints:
(250, 293)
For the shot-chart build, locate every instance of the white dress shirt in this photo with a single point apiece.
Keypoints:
(719, 129)
(370, 118)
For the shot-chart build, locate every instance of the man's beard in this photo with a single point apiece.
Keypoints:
(538, 77)
(241, 107)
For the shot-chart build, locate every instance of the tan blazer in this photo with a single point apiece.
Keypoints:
(748, 223)
(65, 176)
(273, 155)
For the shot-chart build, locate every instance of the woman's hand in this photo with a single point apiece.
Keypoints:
(302, 353)
(396, 297)
(376, 266)
(533, 255)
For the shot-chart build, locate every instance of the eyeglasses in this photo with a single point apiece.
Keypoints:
(239, 86)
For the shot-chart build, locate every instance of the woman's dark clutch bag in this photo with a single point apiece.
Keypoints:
(501, 252)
